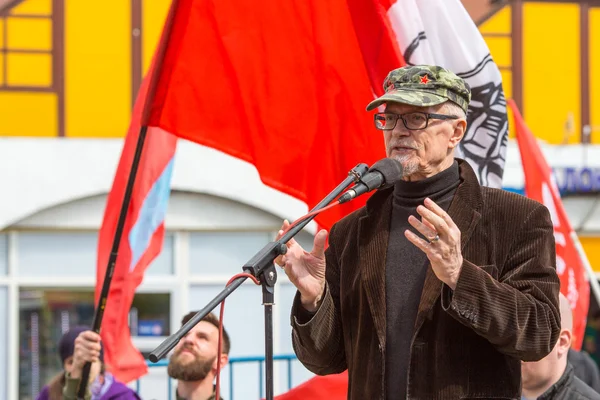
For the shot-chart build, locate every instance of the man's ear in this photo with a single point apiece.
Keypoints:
(224, 361)
(564, 341)
(458, 134)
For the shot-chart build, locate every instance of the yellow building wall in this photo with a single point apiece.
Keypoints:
(38, 7)
(97, 68)
(551, 71)
(591, 246)
(28, 114)
(97, 64)
(497, 34)
(154, 13)
(594, 25)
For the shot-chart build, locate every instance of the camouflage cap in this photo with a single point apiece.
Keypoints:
(424, 85)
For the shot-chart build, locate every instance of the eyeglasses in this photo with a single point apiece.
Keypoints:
(412, 121)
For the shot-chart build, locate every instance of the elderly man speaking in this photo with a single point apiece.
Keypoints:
(438, 287)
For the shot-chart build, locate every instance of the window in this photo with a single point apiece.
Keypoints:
(150, 314)
(223, 254)
(32, 55)
(72, 254)
(3, 255)
(3, 342)
(44, 315)
(26, 46)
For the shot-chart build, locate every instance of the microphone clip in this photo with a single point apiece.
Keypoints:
(357, 172)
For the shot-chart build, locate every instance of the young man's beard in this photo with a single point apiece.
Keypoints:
(196, 370)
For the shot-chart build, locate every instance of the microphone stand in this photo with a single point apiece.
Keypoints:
(260, 266)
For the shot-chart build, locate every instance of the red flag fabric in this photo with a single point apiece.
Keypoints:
(379, 46)
(142, 238)
(332, 387)
(279, 84)
(540, 185)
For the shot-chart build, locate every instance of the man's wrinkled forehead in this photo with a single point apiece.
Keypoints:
(401, 108)
(204, 328)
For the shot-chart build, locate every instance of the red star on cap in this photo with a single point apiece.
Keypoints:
(425, 79)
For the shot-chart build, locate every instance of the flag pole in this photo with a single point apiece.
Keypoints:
(155, 72)
(591, 275)
(112, 260)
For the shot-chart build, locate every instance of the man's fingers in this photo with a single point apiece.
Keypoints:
(84, 354)
(279, 234)
(90, 336)
(436, 221)
(88, 342)
(91, 355)
(425, 229)
(88, 357)
(417, 241)
(89, 347)
(284, 227)
(94, 347)
(279, 259)
(430, 204)
(428, 224)
(318, 250)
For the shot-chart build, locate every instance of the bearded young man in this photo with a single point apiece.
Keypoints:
(194, 360)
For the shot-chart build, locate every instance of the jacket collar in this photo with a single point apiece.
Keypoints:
(557, 388)
(374, 230)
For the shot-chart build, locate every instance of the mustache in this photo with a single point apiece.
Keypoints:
(186, 347)
(403, 144)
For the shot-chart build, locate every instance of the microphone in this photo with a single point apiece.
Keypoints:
(383, 173)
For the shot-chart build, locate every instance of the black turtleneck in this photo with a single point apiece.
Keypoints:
(405, 270)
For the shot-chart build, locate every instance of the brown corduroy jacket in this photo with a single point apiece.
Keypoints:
(467, 343)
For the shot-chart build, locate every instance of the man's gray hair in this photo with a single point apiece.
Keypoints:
(452, 108)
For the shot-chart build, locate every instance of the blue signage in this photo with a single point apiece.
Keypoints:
(150, 328)
(577, 180)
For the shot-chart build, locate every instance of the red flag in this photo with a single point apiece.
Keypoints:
(333, 387)
(142, 238)
(279, 84)
(540, 185)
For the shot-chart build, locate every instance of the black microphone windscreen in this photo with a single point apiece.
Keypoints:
(390, 169)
